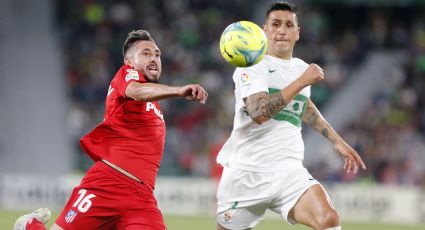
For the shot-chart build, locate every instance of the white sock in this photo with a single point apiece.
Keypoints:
(334, 228)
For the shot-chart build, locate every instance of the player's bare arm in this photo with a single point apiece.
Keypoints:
(263, 106)
(153, 92)
(314, 118)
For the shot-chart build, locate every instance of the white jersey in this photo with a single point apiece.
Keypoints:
(265, 147)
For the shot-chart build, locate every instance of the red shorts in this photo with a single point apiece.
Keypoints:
(107, 199)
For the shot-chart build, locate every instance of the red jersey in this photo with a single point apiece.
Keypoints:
(132, 134)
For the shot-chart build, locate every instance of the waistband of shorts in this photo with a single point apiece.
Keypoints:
(113, 172)
(280, 166)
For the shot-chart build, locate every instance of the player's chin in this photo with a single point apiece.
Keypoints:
(284, 47)
(154, 78)
(283, 44)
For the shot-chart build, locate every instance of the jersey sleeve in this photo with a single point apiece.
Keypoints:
(125, 77)
(250, 81)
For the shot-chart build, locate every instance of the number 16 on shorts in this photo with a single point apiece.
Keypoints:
(83, 202)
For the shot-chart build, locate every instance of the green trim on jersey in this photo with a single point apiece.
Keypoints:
(294, 111)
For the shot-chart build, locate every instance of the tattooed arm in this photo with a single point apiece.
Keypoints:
(313, 118)
(263, 106)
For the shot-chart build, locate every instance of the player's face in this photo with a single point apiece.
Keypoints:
(146, 58)
(282, 31)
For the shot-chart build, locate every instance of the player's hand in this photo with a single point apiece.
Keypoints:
(352, 160)
(312, 75)
(194, 92)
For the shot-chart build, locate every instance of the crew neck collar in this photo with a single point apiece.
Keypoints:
(279, 60)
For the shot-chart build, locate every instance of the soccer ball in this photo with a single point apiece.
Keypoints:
(243, 44)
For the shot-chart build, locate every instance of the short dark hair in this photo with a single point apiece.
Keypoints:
(133, 37)
(281, 6)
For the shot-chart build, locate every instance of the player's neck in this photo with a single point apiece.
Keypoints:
(286, 56)
(281, 53)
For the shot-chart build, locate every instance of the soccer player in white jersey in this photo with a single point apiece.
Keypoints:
(263, 157)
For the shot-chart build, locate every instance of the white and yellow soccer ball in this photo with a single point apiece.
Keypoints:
(243, 44)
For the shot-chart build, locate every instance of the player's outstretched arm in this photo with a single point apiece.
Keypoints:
(154, 92)
(263, 106)
(193, 92)
(314, 118)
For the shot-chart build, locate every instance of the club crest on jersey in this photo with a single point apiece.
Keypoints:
(70, 216)
(131, 74)
(245, 79)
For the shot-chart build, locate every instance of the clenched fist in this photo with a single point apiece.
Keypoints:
(194, 92)
(312, 75)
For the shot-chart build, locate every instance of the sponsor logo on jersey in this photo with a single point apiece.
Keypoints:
(294, 111)
(245, 79)
(131, 74)
(151, 106)
(110, 89)
(70, 216)
(271, 70)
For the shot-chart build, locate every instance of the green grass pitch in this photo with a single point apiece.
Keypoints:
(203, 222)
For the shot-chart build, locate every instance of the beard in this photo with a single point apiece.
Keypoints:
(149, 77)
(152, 79)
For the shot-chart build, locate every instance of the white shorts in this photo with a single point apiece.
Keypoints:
(244, 196)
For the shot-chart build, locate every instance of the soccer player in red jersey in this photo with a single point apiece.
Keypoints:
(117, 191)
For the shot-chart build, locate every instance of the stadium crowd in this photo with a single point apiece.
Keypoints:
(391, 131)
(390, 135)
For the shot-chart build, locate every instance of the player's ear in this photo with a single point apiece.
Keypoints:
(127, 61)
(298, 33)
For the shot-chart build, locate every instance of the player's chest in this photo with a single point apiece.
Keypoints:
(279, 77)
(146, 110)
